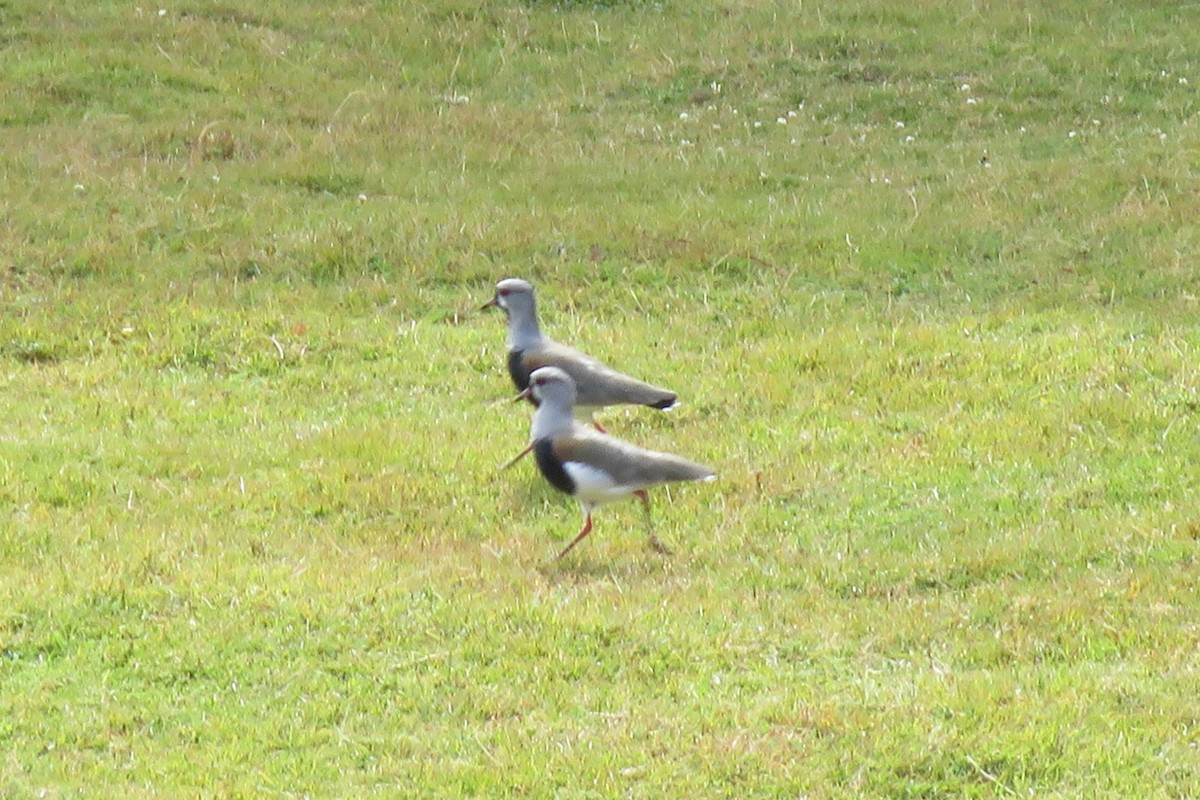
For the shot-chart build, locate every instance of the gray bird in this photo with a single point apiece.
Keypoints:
(596, 384)
(593, 467)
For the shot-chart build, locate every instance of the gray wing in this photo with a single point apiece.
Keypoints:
(597, 384)
(628, 464)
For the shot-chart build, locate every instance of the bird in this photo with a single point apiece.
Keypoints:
(591, 466)
(596, 384)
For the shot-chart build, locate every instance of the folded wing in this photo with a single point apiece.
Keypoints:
(596, 384)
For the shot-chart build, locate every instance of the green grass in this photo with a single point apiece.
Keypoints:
(925, 278)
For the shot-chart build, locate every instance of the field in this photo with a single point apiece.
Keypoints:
(925, 275)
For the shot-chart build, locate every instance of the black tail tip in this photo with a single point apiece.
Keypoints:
(665, 403)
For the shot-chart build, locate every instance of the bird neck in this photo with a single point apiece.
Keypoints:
(523, 329)
(551, 420)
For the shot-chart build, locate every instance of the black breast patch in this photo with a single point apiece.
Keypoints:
(517, 371)
(552, 467)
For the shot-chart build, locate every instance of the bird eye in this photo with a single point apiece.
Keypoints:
(502, 292)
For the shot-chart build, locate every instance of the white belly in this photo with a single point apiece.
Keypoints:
(595, 486)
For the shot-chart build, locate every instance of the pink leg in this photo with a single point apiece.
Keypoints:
(587, 528)
(598, 426)
(517, 457)
(645, 498)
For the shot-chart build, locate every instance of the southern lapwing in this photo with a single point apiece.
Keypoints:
(593, 467)
(596, 385)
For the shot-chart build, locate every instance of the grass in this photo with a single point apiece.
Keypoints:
(924, 277)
